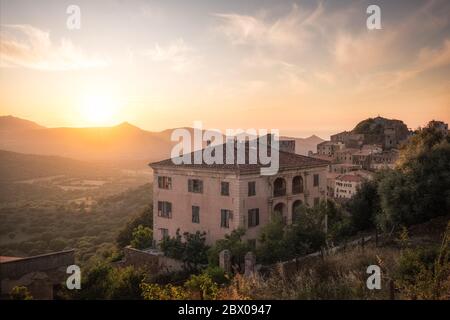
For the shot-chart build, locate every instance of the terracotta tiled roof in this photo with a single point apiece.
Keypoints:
(350, 177)
(7, 259)
(287, 160)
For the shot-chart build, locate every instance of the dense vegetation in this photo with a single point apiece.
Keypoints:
(17, 166)
(51, 226)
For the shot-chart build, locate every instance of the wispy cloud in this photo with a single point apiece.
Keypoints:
(178, 55)
(29, 47)
(317, 46)
(287, 30)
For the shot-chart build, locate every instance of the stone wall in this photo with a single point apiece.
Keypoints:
(40, 274)
(152, 261)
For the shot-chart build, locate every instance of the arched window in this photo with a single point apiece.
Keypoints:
(296, 207)
(279, 187)
(297, 185)
(280, 210)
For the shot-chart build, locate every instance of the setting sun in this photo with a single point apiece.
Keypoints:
(99, 109)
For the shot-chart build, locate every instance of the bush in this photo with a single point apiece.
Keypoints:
(306, 235)
(145, 219)
(104, 282)
(203, 285)
(151, 291)
(20, 293)
(424, 273)
(142, 237)
(232, 242)
(192, 251)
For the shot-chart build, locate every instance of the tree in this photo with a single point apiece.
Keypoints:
(271, 242)
(142, 237)
(232, 242)
(173, 246)
(104, 282)
(364, 206)
(192, 250)
(96, 283)
(195, 249)
(307, 233)
(145, 219)
(419, 188)
(126, 284)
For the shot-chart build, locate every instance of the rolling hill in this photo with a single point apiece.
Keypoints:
(17, 166)
(124, 145)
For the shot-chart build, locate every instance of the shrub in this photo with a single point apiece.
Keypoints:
(192, 251)
(203, 285)
(151, 291)
(142, 237)
(20, 293)
(232, 242)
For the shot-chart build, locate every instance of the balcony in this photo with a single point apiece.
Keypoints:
(279, 192)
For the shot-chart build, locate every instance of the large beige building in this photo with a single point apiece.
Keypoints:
(219, 198)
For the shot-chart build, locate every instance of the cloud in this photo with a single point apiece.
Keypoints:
(316, 46)
(288, 30)
(427, 60)
(177, 54)
(30, 47)
(393, 51)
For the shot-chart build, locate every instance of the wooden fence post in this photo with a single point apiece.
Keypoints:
(376, 237)
(391, 290)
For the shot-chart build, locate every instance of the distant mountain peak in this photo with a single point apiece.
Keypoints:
(128, 126)
(11, 123)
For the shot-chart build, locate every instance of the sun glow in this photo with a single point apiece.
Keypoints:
(99, 109)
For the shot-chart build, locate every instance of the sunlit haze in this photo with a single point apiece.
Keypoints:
(299, 66)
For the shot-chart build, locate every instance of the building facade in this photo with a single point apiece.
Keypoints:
(347, 185)
(217, 199)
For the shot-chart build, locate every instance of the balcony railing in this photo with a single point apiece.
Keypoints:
(279, 192)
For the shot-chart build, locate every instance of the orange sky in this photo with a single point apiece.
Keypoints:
(301, 67)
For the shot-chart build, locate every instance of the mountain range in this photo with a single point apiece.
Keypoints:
(124, 145)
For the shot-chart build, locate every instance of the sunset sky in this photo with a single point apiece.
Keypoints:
(299, 66)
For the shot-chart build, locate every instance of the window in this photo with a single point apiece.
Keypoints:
(225, 188)
(253, 217)
(297, 185)
(279, 187)
(164, 182)
(195, 214)
(225, 216)
(251, 188)
(316, 180)
(164, 209)
(195, 185)
(164, 233)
